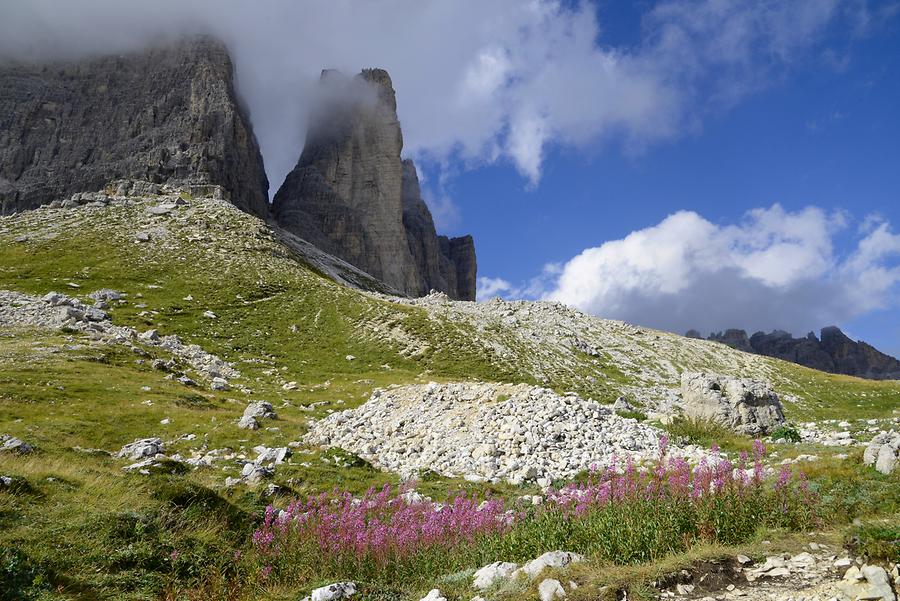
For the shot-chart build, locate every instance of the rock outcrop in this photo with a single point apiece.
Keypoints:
(168, 114)
(883, 452)
(833, 351)
(745, 406)
(444, 264)
(354, 197)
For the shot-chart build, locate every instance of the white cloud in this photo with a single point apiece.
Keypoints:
(774, 269)
(536, 287)
(488, 288)
(477, 82)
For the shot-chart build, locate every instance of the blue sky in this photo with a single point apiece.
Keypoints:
(818, 134)
(674, 163)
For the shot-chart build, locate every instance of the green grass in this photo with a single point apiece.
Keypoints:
(832, 396)
(877, 540)
(75, 526)
(706, 433)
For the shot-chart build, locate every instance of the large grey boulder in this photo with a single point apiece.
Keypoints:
(352, 196)
(168, 114)
(882, 452)
(870, 583)
(745, 406)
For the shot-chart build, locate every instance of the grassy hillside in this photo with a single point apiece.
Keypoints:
(74, 526)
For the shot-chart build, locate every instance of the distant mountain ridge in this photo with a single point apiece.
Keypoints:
(833, 351)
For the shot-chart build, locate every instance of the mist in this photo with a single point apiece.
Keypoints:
(493, 82)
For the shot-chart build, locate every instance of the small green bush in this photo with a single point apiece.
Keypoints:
(876, 542)
(638, 415)
(20, 578)
(787, 432)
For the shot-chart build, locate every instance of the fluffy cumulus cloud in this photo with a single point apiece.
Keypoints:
(774, 269)
(478, 82)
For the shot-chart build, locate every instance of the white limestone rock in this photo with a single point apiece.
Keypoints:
(746, 406)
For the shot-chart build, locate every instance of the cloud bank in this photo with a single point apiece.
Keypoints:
(774, 269)
(478, 82)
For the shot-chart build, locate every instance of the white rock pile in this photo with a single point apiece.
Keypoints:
(486, 432)
(55, 311)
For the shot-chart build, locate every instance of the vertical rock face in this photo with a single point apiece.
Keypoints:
(446, 264)
(352, 195)
(167, 115)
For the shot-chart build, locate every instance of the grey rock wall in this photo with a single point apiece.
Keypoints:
(833, 351)
(169, 114)
(352, 195)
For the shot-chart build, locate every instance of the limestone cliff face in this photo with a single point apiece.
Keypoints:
(833, 351)
(446, 264)
(352, 195)
(167, 115)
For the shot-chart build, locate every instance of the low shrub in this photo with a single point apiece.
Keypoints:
(20, 578)
(786, 432)
(877, 542)
(638, 415)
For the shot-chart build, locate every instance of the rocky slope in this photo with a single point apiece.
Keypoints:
(169, 114)
(352, 195)
(122, 443)
(832, 352)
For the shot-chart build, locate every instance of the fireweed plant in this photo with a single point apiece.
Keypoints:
(623, 514)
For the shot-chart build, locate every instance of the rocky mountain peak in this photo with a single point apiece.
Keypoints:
(353, 196)
(167, 114)
(381, 81)
(833, 351)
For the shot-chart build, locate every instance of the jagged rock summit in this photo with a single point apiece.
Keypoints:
(168, 114)
(833, 351)
(353, 196)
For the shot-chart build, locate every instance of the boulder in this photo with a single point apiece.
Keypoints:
(333, 592)
(492, 573)
(887, 460)
(144, 447)
(434, 595)
(11, 444)
(105, 294)
(745, 406)
(248, 422)
(882, 451)
(869, 583)
(551, 589)
(260, 409)
(550, 559)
